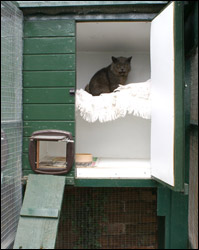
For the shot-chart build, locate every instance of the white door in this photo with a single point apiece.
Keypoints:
(167, 96)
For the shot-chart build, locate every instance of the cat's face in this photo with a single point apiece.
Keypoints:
(121, 65)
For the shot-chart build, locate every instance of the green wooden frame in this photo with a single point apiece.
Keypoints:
(179, 150)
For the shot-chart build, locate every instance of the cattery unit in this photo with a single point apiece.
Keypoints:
(129, 147)
(63, 49)
(132, 147)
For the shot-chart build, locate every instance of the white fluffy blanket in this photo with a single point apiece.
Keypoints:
(133, 98)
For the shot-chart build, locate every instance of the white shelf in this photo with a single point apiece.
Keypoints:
(109, 168)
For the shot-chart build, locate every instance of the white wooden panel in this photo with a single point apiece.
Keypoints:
(162, 75)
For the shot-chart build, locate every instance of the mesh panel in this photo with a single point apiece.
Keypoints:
(108, 218)
(193, 164)
(11, 64)
(194, 87)
(193, 190)
(11, 120)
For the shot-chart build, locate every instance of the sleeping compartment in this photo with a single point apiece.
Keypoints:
(120, 148)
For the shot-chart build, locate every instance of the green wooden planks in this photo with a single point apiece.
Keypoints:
(48, 79)
(25, 144)
(26, 164)
(27, 172)
(47, 95)
(49, 45)
(31, 126)
(43, 193)
(25, 161)
(49, 28)
(49, 62)
(49, 112)
(48, 75)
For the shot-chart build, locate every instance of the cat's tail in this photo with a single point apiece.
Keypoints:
(87, 88)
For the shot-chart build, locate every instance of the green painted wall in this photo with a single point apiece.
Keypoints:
(48, 76)
(173, 207)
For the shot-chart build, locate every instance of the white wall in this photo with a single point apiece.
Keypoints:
(127, 137)
(88, 63)
(113, 36)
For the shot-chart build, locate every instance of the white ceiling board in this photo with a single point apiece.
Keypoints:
(113, 36)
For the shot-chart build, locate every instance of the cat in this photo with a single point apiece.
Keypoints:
(108, 79)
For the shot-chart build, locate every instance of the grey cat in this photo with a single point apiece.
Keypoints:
(108, 79)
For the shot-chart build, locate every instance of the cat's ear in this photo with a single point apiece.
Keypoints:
(114, 59)
(129, 59)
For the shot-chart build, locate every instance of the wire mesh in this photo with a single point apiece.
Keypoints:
(194, 88)
(193, 189)
(108, 218)
(11, 120)
(193, 160)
